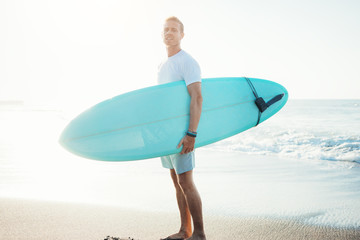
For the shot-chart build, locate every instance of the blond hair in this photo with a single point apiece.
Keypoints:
(175, 19)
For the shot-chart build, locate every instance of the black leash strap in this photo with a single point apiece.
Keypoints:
(259, 101)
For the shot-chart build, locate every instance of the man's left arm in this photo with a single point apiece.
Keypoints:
(188, 142)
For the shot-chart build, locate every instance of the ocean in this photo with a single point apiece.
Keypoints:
(303, 163)
(326, 130)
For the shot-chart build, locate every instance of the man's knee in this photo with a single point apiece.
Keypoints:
(185, 181)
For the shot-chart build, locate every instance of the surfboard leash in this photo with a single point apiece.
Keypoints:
(260, 102)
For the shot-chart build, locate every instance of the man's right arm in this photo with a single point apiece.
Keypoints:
(188, 142)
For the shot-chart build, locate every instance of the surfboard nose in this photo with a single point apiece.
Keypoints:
(73, 143)
(64, 139)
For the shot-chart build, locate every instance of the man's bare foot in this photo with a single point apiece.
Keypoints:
(179, 235)
(197, 237)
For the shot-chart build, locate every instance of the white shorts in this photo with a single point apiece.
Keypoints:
(180, 162)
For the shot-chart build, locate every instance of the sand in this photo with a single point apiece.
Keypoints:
(34, 219)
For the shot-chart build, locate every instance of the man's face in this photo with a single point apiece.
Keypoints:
(172, 34)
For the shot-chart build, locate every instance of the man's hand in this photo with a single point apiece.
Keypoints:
(188, 144)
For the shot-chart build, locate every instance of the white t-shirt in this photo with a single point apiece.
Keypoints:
(179, 67)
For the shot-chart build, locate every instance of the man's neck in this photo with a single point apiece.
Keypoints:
(172, 50)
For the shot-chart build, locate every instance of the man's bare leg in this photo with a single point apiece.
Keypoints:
(185, 228)
(194, 204)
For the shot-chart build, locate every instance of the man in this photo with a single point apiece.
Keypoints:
(180, 66)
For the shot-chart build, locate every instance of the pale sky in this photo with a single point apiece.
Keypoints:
(72, 52)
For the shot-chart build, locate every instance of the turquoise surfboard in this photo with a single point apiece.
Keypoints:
(150, 122)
